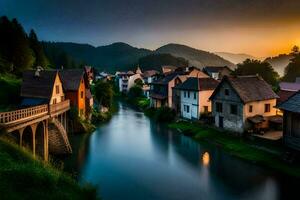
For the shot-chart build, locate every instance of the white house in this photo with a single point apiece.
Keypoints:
(194, 96)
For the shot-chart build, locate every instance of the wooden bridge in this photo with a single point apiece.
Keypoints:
(41, 129)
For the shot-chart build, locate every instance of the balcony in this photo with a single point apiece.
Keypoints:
(59, 108)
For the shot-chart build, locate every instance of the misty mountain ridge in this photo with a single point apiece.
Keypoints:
(236, 57)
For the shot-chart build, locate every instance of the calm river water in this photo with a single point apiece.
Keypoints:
(134, 158)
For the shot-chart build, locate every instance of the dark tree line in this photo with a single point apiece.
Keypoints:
(256, 67)
(20, 51)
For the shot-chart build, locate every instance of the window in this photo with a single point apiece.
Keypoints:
(205, 109)
(186, 108)
(57, 89)
(54, 101)
(250, 108)
(184, 94)
(62, 98)
(233, 109)
(195, 95)
(227, 92)
(219, 107)
(267, 107)
(188, 94)
(81, 94)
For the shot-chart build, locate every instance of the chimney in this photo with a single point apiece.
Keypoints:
(37, 71)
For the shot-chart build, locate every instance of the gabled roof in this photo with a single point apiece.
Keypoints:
(38, 86)
(198, 84)
(284, 95)
(71, 78)
(289, 86)
(169, 77)
(249, 88)
(292, 104)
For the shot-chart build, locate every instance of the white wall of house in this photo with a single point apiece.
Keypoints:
(189, 108)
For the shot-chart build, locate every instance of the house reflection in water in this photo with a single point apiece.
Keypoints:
(205, 159)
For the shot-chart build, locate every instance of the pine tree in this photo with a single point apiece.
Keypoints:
(37, 48)
(292, 71)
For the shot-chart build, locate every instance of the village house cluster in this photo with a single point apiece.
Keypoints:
(238, 104)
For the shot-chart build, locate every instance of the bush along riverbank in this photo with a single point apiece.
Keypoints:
(25, 177)
(259, 152)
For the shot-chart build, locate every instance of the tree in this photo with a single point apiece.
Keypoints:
(253, 67)
(135, 92)
(36, 46)
(14, 48)
(104, 93)
(292, 71)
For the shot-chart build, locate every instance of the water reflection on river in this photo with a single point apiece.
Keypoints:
(133, 158)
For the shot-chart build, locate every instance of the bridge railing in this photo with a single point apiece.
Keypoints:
(62, 106)
(18, 115)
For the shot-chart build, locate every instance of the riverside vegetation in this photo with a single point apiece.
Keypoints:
(25, 177)
(258, 151)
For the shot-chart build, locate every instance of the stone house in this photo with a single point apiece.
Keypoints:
(194, 96)
(291, 121)
(242, 103)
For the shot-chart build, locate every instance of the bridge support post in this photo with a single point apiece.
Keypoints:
(46, 141)
(21, 136)
(33, 128)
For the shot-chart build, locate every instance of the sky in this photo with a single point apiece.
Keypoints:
(257, 27)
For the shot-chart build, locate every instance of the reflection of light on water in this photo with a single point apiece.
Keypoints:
(205, 159)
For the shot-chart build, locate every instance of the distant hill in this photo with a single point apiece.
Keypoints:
(235, 58)
(197, 58)
(279, 62)
(109, 57)
(155, 61)
(121, 56)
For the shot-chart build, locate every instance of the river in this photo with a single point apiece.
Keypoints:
(133, 158)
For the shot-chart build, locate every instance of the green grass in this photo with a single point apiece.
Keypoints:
(267, 154)
(23, 177)
(9, 92)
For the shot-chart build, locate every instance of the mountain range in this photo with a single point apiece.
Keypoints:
(122, 56)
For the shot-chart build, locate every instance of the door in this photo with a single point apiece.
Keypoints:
(194, 112)
(221, 121)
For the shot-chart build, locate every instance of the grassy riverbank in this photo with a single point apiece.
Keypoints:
(265, 154)
(23, 177)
